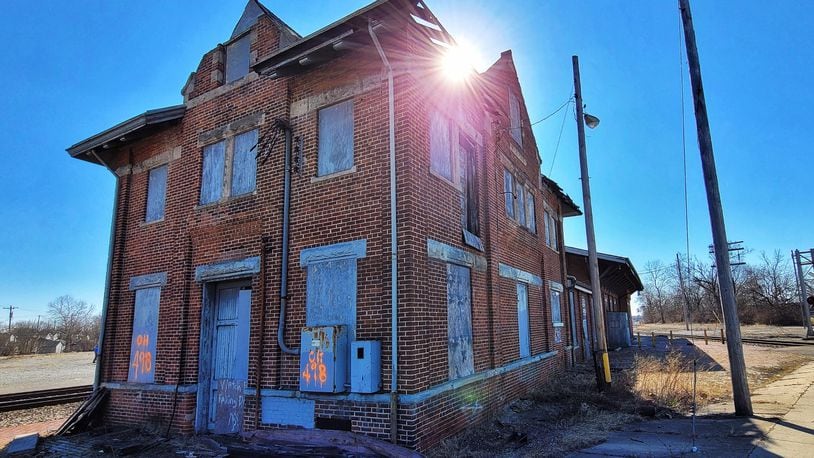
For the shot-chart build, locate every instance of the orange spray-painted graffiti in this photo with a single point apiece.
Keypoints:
(315, 369)
(142, 362)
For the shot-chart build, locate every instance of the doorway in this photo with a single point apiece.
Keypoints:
(224, 365)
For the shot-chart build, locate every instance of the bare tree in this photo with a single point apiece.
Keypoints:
(657, 291)
(73, 320)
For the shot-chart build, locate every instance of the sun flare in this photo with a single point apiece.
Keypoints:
(458, 62)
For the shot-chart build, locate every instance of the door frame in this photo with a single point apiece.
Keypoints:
(205, 351)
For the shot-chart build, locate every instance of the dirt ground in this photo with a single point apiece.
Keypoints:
(41, 372)
(570, 415)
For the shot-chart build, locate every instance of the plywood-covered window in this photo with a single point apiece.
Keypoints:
(145, 333)
(330, 297)
(244, 165)
(459, 322)
(237, 59)
(441, 157)
(521, 203)
(531, 219)
(556, 299)
(508, 193)
(156, 194)
(214, 160)
(514, 119)
(229, 168)
(335, 138)
(551, 230)
(523, 319)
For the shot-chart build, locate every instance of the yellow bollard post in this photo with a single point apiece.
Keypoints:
(706, 337)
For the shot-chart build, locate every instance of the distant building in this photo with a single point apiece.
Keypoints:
(619, 280)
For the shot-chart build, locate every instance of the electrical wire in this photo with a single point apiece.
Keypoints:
(559, 137)
(570, 99)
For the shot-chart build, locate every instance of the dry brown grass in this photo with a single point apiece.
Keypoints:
(553, 420)
(668, 382)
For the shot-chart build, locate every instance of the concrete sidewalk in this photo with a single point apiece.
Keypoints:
(782, 426)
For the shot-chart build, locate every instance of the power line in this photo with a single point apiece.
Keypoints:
(570, 99)
(559, 137)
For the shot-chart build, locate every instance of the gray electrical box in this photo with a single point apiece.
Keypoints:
(365, 366)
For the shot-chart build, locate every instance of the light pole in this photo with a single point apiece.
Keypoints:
(593, 262)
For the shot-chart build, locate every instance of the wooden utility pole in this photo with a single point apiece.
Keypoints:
(686, 307)
(593, 262)
(10, 309)
(740, 387)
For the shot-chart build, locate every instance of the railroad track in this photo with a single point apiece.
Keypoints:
(785, 342)
(41, 398)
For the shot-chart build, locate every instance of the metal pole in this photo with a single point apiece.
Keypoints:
(593, 262)
(803, 293)
(740, 386)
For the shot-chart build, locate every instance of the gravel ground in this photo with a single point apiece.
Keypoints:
(41, 372)
(754, 331)
(28, 416)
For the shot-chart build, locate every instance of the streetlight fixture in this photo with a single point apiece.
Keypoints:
(591, 120)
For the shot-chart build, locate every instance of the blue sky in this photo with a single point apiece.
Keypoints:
(72, 69)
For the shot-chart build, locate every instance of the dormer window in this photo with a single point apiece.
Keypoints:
(237, 59)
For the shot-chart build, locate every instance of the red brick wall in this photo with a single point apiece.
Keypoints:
(343, 208)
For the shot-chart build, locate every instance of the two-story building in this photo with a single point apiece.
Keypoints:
(329, 232)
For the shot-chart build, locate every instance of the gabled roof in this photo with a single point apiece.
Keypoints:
(254, 10)
(621, 274)
(132, 129)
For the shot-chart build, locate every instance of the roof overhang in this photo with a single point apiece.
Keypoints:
(346, 34)
(134, 128)
(569, 207)
(617, 272)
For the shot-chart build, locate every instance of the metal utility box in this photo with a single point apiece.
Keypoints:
(324, 359)
(365, 366)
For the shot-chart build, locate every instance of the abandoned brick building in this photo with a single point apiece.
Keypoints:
(252, 267)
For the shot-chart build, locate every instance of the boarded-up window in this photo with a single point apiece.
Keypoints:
(547, 221)
(531, 220)
(551, 230)
(214, 159)
(330, 296)
(237, 59)
(508, 193)
(335, 138)
(459, 322)
(523, 319)
(471, 204)
(514, 119)
(521, 204)
(556, 313)
(145, 327)
(244, 164)
(156, 193)
(440, 146)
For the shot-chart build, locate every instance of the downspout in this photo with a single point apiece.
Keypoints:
(286, 211)
(97, 376)
(393, 242)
